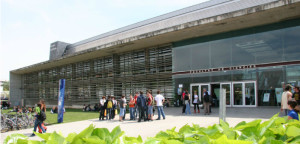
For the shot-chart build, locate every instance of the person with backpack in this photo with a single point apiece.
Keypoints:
(43, 108)
(40, 116)
(293, 113)
(150, 103)
(109, 106)
(131, 107)
(206, 102)
(187, 103)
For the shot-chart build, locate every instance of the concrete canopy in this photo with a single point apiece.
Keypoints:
(254, 16)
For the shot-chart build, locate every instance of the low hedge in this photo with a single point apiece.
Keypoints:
(277, 130)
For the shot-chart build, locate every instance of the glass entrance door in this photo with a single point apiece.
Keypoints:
(244, 93)
(238, 94)
(225, 91)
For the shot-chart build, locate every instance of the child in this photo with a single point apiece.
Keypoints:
(293, 114)
(38, 121)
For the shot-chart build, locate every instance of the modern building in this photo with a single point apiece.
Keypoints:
(244, 50)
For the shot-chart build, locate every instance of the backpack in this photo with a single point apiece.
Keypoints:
(42, 116)
(206, 97)
(109, 104)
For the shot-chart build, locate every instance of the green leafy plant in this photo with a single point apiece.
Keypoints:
(277, 130)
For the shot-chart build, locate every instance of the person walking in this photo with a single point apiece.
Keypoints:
(131, 107)
(102, 108)
(43, 108)
(196, 102)
(159, 103)
(122, 108)
(286, 96)
(206, 102)
(187, 104)
(39, 118)
(150, 105)
(141, 102)
(125, 107)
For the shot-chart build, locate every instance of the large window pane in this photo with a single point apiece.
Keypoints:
(220, 53)
(242, 50)
(292, 43)
(269, 47)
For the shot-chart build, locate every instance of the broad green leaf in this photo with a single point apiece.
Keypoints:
(102, 133)
(44, 136)
(116, 133)
(185, 129)
(171, 142)
(151, 140)
(292, 131)
(33, 142)
(240, 124)
(162, 135)
(13, 138)
(280, 130)
(294, 140)
(133, 140)
(247, 125)
(85, 133)
(70, 137)
(55, 138)
(93, 140)
(223, 140)
(266, 125)
(270, 140)
(224, 125)
(140, 139)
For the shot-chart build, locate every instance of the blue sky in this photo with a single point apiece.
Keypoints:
(29, 26)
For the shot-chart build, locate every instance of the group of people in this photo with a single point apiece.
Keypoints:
(140, 106)
(290, 102)
(207, 101)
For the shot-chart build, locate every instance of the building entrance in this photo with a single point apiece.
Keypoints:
(238, 94)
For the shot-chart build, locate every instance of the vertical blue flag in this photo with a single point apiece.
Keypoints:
(61, 95)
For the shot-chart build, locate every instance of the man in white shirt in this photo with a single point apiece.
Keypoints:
(102, 108)
(159, 103)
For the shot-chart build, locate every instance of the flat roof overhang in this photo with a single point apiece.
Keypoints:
(250, 17)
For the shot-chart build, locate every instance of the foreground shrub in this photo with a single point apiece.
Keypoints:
(276, 130)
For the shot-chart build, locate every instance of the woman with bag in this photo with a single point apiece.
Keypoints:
(187, 103)
(196, 102)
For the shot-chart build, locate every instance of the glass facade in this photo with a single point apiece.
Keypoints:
(262, 45)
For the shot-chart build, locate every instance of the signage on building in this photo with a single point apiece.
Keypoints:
(223, 69)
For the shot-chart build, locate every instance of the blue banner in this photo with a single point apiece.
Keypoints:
(61, 95)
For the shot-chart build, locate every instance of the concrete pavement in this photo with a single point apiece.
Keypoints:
(174, 117)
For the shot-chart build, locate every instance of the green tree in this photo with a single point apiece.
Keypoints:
(5, 85)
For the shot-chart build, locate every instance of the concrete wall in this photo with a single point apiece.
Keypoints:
(57, 50)
(15, 89)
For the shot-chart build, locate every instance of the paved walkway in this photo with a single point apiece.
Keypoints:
(173, 118)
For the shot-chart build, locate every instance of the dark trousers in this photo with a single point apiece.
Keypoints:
(146, 113)
(37, 123)
(113, 113)
(196, 106)
(183, 108)
(101, 117)
(108, 113)
(141, 113)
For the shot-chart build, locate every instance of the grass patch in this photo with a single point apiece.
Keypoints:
(71, 115)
